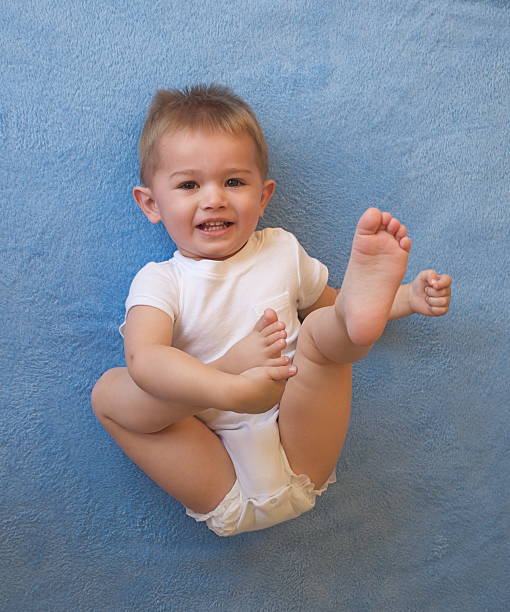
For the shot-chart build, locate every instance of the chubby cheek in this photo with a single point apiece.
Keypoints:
(176, 228)
(251, 214)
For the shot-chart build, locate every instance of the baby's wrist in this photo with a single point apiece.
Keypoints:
(408, 301)
(229, 392)
(402, 304)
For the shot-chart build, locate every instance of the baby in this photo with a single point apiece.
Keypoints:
(237, 391)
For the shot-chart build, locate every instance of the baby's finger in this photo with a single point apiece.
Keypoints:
(282, 372)
(440, 302)
(443, 281)
(430, 276)
(437, 292)
(437, 311)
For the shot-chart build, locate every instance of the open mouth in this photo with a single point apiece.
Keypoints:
(212, 226)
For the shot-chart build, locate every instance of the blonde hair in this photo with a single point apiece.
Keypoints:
(208, 107)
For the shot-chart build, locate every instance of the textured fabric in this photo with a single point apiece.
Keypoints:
(398, 104)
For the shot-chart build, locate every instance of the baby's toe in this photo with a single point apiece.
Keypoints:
(393, 226)
(401, 232)
(277, 326)
(386, 218)
(268, 318)
(405, 243)
(278, 335)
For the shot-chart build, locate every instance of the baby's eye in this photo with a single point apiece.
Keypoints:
(188, 185)
(234, 182)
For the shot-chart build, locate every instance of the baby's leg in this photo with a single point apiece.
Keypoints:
(117, 397)
(187, 460)
(314, 411)
(181, 454)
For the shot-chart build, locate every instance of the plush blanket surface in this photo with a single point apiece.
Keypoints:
(402, 105)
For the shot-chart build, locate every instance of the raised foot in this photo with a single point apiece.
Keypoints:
(377, 265)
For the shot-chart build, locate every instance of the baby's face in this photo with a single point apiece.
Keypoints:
(209, 191)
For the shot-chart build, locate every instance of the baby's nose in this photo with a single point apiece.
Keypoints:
(213, 198)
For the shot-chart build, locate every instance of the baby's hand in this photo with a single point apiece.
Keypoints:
(430, 293)
(259, 389)
(261, 347)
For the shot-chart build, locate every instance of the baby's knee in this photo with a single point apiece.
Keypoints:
(307, 344)
(99, 394)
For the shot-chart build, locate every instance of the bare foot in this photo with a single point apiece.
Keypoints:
(263, 346)
(380, 250)
(263, 369)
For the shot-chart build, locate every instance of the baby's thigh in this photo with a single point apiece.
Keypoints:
(187, 460)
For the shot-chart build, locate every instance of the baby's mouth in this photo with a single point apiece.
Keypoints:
(211, 226)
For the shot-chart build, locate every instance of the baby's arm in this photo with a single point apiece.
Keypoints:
(170, 374)
(429, 294)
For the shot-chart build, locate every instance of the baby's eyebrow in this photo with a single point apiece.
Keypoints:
(183, 172)
(191, 171)
(239, 170)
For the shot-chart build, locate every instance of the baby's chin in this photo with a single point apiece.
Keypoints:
(211, 255)
(208, 256)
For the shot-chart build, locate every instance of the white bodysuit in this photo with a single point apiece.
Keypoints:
(213, 305)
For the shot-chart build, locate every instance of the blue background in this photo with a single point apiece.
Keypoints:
(403, 105)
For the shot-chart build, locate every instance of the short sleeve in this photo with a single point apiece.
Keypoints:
(313, 278)
(157, 285)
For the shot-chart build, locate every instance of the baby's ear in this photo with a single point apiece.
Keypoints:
(267, 194)
(146, 202)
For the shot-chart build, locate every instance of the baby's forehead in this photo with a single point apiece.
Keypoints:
(186, 141)
(207, 132)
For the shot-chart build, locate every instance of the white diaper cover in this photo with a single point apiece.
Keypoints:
(266, 491)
